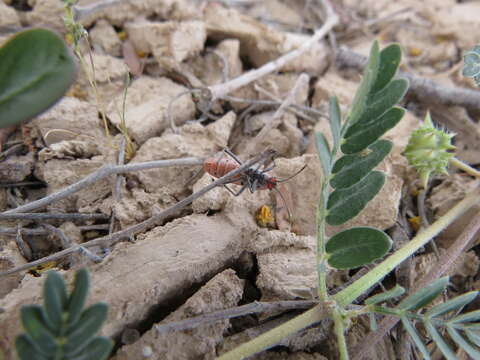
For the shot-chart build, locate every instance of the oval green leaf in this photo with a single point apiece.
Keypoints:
(88, 325)
(324, 153)
(350, 169)
(37, 70)
(366, 134)
(26, 350)
(345, 204)
(357, 247)
(42, 338)
(389, 61)
(55, 299)
(424, 296)
(78, 297)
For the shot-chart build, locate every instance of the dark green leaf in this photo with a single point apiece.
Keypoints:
(26, 350)
(79, 296)
(415, 337)
(463, 343)
(437, 338)
(425, 295)
(369, 77)
(389, 61)
(468, 317)
(55, 298)
(37, 70)
(98, 349)
(86, 328)
(381, 102)
(350, 169)
(323, 152)
(345, 204)
(474, 337)
(386, 295)
(335, 119)
(32, 321)
(366, 134)
(454, 304)
(357, 246)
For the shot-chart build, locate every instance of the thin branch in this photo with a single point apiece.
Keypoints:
(443, 265)
(82, 12)
(101, 173)
(425, 90)
(41, 232)
(127, 233)
(57, 216)
(252, 308)
(245, 79)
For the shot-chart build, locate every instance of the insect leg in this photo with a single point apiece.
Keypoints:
(233, 156)
(239, 191)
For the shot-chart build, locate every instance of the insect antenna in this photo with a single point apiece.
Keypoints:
(286, 205)
(298, 172)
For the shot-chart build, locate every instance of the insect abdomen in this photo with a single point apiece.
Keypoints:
(220, 167)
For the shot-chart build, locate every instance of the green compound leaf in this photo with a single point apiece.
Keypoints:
(463, 343)
(32, 321)
(389, 61)
(78, 297)
(86, 328)
(324, 152)
(350, 169)
(26, 350)
(37, 69)
(345, 204)
(415, 337)
(454, 304)
(55, 298)
(98, 349)
(386, 295)
(424, 296)
(335, 119)
(361, 135)
(357, 247)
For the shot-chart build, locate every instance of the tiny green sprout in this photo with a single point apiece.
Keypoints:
(428, 150)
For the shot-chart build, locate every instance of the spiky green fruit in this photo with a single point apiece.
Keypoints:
(428, 150)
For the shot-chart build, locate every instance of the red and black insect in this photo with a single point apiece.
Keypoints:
(252, 178)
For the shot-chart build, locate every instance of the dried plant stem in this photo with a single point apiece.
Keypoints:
(465, 167)
(425, 89)
(56, 216)
(443, 265)
(127, 233)
(81, 12)
(252, 308)
(242, 80)
(102, 173)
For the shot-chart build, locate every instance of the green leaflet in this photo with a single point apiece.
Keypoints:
(366, 134)
(457, 303)
(415, 337)
(78, 296)
(335, 120)
(389, 61)
(386, 295)
(55, 298)
(345, 204)
(37, 70)
(463, 343)
(98, 349)
(324, 152)
(42, 338)
(356, 247)
(350, 169)
(425, 295)
(26, 350)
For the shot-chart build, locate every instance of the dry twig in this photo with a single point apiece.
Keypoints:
(127, 233)
(101, 173)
